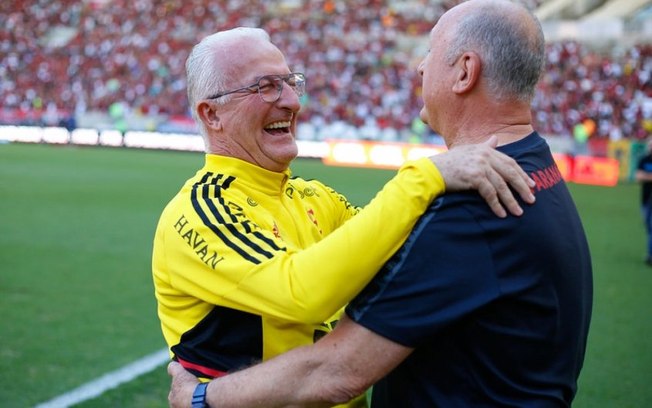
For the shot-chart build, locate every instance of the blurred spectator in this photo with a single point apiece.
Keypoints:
(61, 58)
(612, 90)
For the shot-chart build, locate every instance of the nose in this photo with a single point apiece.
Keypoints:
(420, 68)
(289, 99)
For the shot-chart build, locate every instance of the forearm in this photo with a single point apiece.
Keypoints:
(334, 370)
(295, 379)
(643, 176)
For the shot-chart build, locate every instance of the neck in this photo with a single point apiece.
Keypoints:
(509, 122)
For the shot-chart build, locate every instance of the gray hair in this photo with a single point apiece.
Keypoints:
(512, 53)
(207, 69)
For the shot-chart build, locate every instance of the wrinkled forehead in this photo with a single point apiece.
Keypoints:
(246, 60)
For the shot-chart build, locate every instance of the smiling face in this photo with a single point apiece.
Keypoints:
(246, 127)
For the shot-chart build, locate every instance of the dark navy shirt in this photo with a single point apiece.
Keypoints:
(497, 310)
(645, 164)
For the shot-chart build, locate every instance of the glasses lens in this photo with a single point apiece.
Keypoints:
(270, 87)
(297, 82)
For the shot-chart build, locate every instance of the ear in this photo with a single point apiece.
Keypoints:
(470, 67)
(207, 114)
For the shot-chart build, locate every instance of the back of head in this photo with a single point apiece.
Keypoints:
(210, 62)
(510, 42)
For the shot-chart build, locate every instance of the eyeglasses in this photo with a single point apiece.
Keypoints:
(270, 87)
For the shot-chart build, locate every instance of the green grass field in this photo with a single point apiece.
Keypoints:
(76, 296)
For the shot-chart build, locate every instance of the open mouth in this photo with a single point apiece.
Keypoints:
(278, 128)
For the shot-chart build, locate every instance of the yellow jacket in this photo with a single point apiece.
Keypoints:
(249, 263)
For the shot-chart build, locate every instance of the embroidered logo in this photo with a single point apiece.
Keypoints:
(546, 178)
(196, 243)
(275, 230)
(306, 192)
(311, 215)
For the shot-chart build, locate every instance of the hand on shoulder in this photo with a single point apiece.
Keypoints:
(483, 168)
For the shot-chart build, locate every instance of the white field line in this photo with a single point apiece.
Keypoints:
(108, 381)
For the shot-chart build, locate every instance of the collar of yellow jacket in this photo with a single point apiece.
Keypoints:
(253, 176)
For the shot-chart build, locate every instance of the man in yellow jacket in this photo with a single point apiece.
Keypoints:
(249, 262)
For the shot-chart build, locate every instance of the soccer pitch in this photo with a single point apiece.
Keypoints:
(76, 293)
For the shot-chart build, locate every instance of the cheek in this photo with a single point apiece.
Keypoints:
(430, 102)
(428, 90)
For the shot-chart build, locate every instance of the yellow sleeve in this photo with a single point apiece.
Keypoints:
(311, 285)
(240, 263)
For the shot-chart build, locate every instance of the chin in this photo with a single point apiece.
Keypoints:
(293, 155)
(423, 115)
(286, 154)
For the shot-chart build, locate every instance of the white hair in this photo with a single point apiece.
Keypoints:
(207, 66)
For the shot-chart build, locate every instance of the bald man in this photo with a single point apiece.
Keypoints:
(473, 310)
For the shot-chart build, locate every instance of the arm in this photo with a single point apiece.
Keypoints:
(386, 222)
(335, 369)
(298, 281)
(642, 175)
(288, 284)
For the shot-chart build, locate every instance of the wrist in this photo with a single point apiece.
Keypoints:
(199, 396)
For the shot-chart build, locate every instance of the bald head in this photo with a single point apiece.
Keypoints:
(508, 39)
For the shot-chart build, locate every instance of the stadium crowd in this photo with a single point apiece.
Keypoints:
(61, 58)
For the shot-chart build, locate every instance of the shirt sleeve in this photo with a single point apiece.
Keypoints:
(441, 274)
(306, 285)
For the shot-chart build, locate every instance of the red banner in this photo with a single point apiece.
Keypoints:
(577, 169)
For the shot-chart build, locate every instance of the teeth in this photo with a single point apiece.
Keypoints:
(278, 125)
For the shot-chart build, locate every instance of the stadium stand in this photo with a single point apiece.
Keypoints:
(616, 8)
(120, 63)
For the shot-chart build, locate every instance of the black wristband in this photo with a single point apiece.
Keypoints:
(199, 396)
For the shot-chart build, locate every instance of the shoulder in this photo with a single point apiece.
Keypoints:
(645, 159)
(308, 183)
(458, 204)
(450, 222)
